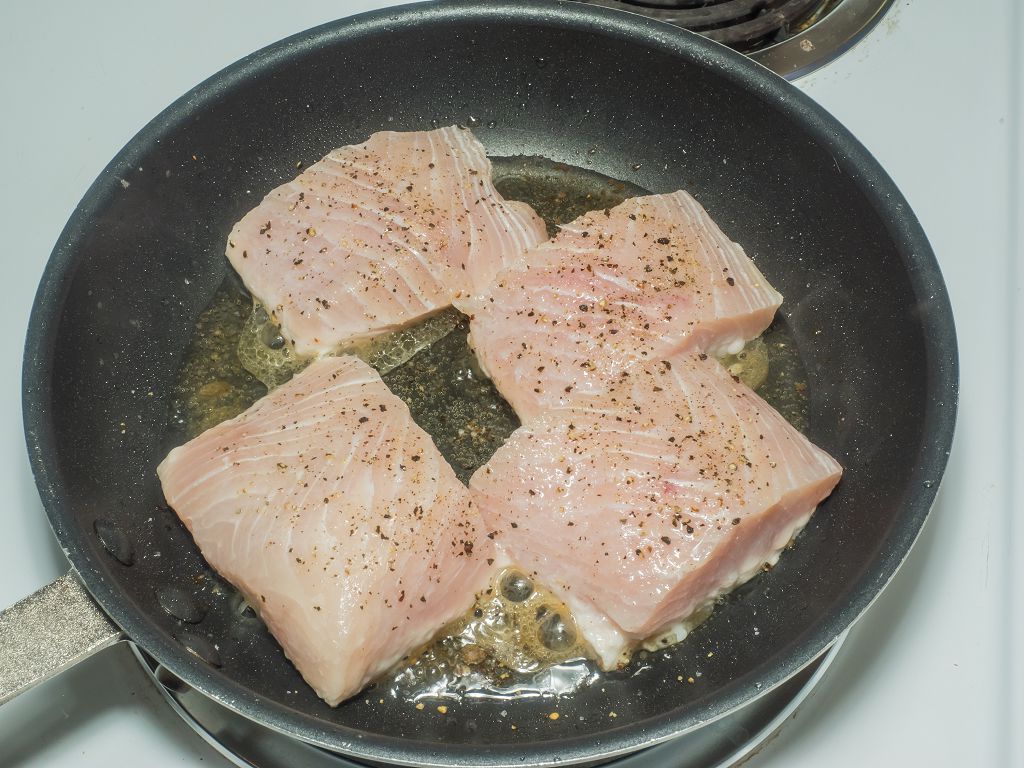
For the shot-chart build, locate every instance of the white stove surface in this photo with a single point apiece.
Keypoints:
(931, 676)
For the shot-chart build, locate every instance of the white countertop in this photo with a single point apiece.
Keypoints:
(931, 676)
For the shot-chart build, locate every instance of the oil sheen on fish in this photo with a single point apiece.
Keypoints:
(641, 505)
(377, 235)
(647, 278)
(337, 518)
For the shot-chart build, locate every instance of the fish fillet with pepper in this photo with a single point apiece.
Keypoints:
(378, 235)
(337, 519)
(641, 505)
(647, 278)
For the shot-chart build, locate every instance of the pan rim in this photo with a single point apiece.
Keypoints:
(890, 206)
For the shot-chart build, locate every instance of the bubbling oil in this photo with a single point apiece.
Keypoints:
(518, 640)
(264, 352)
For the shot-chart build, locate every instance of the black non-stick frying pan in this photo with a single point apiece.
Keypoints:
(632, 99)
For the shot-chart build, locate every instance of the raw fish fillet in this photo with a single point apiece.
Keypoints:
(377, 235)
(652, 276)
(337, 518)
(641, 505)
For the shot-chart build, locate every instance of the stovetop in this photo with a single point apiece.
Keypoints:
(790, 37)
(930, 676)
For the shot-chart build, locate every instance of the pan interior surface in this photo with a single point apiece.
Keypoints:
(623, 96)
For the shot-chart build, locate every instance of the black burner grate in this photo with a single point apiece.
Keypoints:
(746, 25)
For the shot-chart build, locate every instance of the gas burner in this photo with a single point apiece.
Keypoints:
(726, 742)
(790, 37)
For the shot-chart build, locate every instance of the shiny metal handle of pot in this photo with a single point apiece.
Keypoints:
(49, 631)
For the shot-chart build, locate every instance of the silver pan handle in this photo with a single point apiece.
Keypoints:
(49, 631)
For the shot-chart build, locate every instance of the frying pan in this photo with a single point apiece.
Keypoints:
(630, 98)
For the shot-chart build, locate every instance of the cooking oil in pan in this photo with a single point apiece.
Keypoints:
(518, 639)
(212, 386)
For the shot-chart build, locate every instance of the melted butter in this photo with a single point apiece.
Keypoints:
(750, 364)
(264, 352)
(517, 640)
(785, 384)
(503, 647)
(387, 352)
(212, 386)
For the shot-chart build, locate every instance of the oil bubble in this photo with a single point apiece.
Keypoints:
(556, 634)
(516, 587)
(269, 335)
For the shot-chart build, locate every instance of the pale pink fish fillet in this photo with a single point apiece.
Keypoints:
(377, 235)
(652, 276)
(337, 518)
(640, 505)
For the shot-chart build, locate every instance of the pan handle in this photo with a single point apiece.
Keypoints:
(49, 631)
